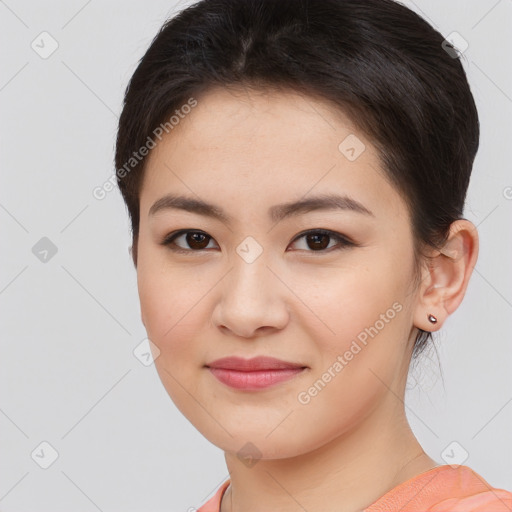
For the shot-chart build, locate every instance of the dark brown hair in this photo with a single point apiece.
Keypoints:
(376, 60)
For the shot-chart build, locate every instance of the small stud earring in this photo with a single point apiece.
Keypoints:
(432, 318)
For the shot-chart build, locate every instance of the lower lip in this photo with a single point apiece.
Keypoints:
(254, 380)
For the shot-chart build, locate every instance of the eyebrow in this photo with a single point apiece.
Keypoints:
(276, 213)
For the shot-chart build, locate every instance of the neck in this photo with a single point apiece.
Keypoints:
(346, 474)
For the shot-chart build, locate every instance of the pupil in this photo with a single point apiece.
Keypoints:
(193, 235)
(315, 238)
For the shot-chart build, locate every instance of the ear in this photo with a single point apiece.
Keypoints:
(133, 251)
(446, 279)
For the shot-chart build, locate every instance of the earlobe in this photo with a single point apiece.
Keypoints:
(446, 277)
(432, 318)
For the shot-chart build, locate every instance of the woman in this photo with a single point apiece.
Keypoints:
(295, 174)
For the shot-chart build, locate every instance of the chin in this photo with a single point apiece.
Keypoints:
(256, 443)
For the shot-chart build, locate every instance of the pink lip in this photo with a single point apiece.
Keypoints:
(257, 373)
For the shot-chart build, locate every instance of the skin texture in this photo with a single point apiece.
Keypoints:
(245, 151)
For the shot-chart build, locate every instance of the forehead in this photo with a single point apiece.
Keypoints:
(266, 146)
(239, 115)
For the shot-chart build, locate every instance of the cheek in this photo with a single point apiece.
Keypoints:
(362, 315)
(363, 330)
(161, 288)
(355, 366)
(169, 307)
(349, 303)
(175, 311)
(166, 300)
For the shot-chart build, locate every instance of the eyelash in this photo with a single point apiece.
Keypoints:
(342, 240)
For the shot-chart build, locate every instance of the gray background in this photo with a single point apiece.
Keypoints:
(70, 323)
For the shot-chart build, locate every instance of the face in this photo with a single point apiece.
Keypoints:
(326, 288)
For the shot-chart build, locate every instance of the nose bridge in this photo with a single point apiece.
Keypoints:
(250, 275)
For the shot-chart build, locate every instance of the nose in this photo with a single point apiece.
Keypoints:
(252, 300)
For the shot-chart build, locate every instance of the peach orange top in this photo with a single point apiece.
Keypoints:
(441, 489)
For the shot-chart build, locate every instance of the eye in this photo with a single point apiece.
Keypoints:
(196, 239)
(316, 239)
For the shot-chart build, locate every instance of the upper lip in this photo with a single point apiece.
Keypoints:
(256, 363)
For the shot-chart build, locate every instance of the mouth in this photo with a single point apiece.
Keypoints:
(253, 374)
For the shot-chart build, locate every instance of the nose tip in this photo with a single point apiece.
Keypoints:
(248, 333)
(250, 303)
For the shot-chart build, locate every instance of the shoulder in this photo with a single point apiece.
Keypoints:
(445, 489)
(471, 493)
(441, 489)
(213, 504)
(494, 500)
